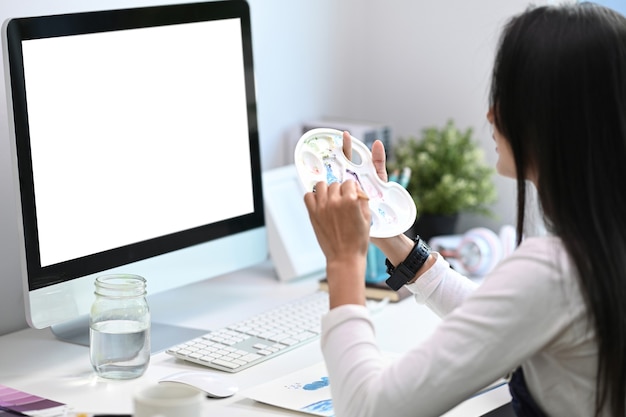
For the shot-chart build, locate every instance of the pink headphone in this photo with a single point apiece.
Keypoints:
(477, 251)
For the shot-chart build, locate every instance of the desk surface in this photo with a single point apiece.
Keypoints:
(36, 362)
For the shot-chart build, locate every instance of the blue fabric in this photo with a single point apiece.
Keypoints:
(523, 403)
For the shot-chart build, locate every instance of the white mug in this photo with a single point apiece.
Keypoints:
(168, 400)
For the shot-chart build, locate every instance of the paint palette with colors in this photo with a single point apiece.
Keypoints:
(319, 157)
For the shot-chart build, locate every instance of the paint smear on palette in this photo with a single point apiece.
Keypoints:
(330, 175)
(389, 218)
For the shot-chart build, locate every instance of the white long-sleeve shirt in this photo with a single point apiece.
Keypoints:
(529, 311)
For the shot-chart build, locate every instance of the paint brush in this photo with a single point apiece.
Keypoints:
(361, 195)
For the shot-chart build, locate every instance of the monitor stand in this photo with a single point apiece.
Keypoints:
(162, 336)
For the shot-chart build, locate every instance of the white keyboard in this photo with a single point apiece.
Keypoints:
(260, 337)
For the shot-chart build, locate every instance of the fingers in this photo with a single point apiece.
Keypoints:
(313, 198)
(347, 145)
(380, 160)
(348, 189)
(323, 193)
(353, 191)
(378, 155)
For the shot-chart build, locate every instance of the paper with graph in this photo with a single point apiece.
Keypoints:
(306, 390)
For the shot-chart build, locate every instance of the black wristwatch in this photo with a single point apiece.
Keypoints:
(406, 270)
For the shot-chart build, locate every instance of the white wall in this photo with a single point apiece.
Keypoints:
(418, 63)
(409, 63)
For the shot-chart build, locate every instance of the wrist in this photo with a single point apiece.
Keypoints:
(395, 248)
(346, 281)
(427, 265)
(411, 267)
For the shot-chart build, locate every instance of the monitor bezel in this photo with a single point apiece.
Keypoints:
(20, 29)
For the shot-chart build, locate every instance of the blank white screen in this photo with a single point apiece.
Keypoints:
(136, 134)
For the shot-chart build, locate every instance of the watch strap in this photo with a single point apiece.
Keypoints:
(407, 269)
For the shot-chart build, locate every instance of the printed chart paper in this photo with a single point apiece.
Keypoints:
(306, 390)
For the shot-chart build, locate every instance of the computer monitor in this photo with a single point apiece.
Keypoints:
(136, 150)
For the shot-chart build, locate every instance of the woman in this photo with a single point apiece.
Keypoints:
(554, 311)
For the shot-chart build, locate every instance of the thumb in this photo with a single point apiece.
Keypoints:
(379, 159)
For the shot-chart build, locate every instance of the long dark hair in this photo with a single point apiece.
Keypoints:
(559, 97)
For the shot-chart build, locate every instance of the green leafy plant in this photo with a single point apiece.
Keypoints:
(448, 172)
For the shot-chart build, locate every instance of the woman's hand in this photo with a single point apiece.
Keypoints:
(398, 247)
(378, 155)
(341, 219)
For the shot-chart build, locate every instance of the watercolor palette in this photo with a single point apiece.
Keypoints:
(319, 157)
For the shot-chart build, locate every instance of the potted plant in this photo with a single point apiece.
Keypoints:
(448, 176)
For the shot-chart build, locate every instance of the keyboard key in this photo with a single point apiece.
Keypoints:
(251, 357)
(227, 364)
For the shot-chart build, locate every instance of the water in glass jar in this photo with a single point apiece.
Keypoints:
(120, 349)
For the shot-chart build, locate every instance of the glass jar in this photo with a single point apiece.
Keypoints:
(119, 327)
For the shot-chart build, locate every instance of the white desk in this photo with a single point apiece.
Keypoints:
(36, 362)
